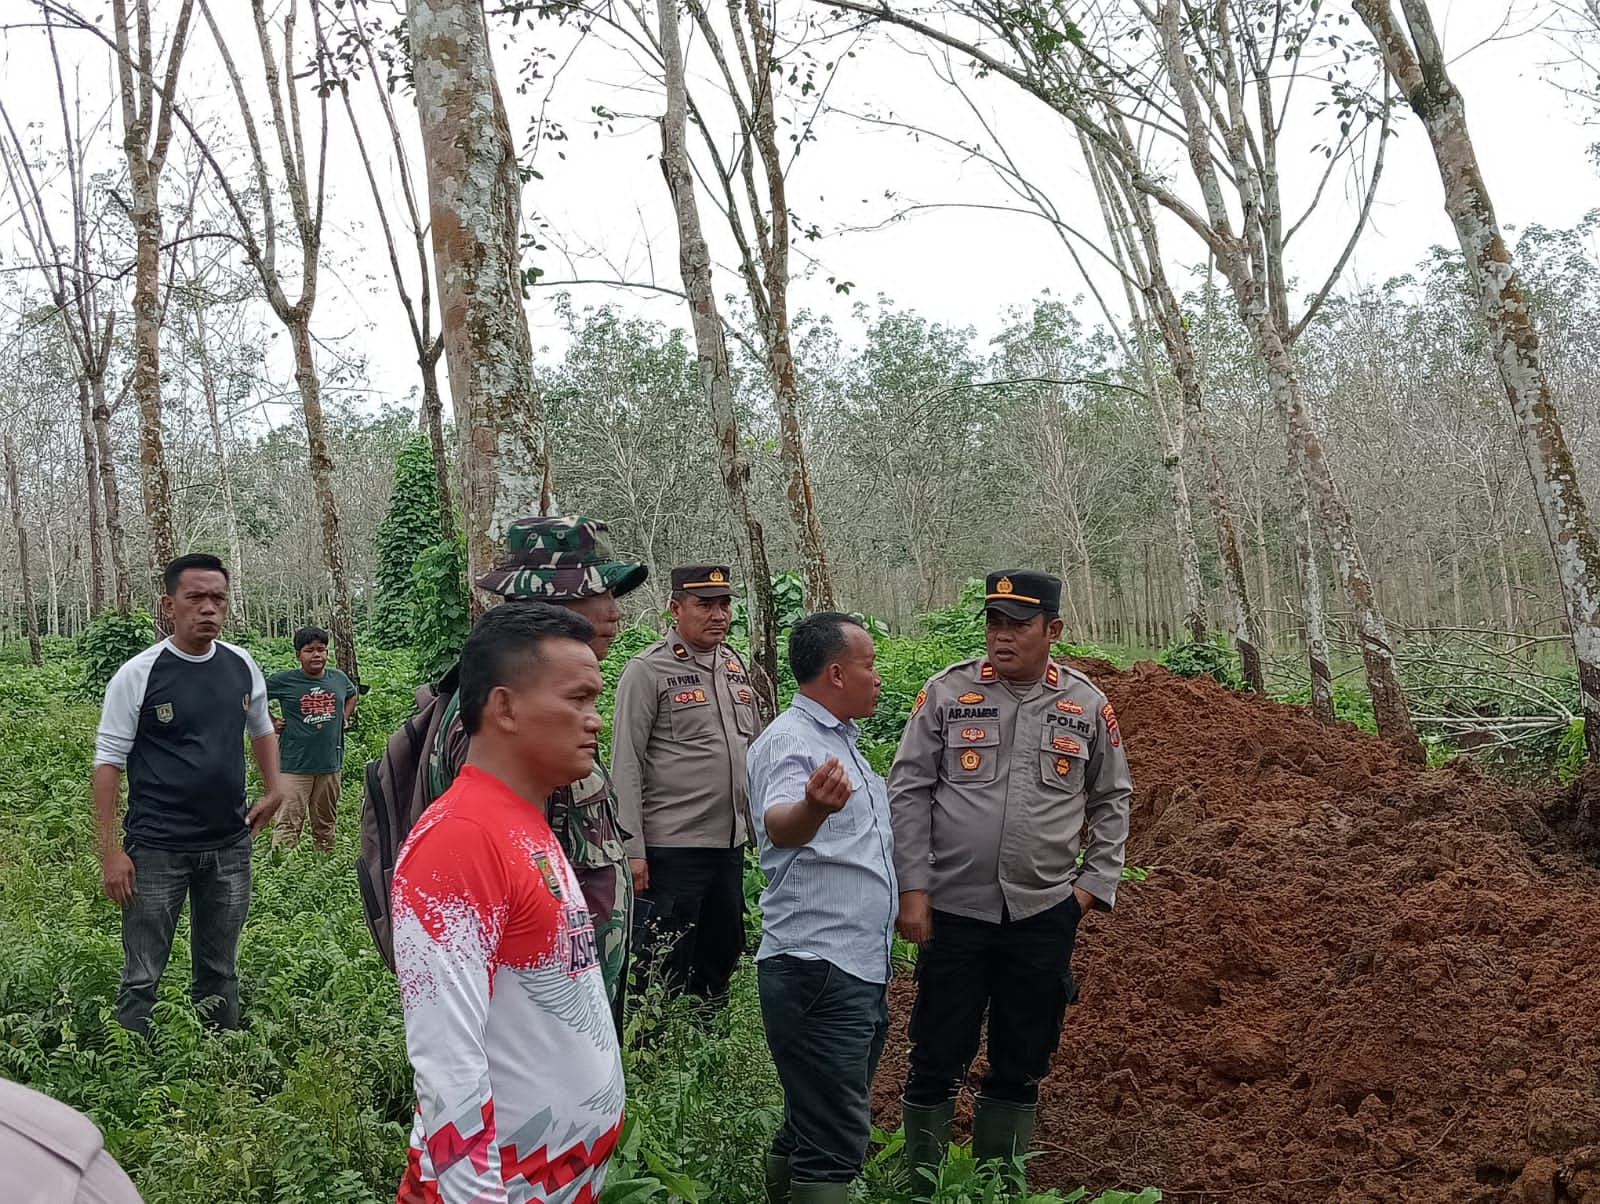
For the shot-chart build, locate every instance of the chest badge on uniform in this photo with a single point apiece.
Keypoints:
(970, 697)
(1063, 766)
(973, 734)
(548, 872)
(683, 697)
(971, 759)
(735, 665)
(164, 712)
(1067, 707)
(1065, 744)
(745, 696)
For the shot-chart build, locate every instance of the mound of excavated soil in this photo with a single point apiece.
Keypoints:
(1346, 978)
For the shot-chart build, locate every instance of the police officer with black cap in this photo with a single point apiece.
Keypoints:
(1010, 767)
(684, 718)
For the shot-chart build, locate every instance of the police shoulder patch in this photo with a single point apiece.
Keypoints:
(922, 697)
(1110, 717)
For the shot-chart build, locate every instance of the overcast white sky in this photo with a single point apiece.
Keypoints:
(963, 267)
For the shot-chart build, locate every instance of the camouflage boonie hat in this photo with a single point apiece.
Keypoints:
(557, 558)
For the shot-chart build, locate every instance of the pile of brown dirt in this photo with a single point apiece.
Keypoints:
(1347, 978)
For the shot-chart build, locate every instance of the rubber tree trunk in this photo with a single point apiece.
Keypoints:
(238, 595)
(1313, 610)
(694, 264)
(31, 618)
(96, 533)
(1419, 69)
(122, 594)
(433, 426)
(310, 384)
(474, 196)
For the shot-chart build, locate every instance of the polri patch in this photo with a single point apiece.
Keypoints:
(1063, 766)
(973, 734)
(1067, 707)
(745, 696)
(1065, 744)
(685, 697)
(1110, 717)
(971, 759)
(922, 697)
(970, 697)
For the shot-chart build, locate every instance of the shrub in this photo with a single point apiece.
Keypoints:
(111, 639)
(1196, 658)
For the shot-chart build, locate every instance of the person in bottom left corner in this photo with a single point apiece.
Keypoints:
(518, 1073)
(175, 717)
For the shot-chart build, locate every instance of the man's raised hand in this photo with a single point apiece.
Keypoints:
(828, 788)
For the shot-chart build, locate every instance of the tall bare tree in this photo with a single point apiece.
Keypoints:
(428, 344)
(694, 263)
(146, 136)
(24, 563)
(1418, 65)
(475, 195)
(79, 290)
(302, 177)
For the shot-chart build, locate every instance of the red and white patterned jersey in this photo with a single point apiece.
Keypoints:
(519, 1080)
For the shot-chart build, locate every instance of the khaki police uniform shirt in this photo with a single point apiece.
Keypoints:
(52, 1154)
(992, 796)
(680, 729)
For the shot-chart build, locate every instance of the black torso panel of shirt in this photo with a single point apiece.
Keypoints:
(186, 767)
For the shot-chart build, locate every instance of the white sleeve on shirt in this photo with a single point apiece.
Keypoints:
(257, 720)
(119, 713)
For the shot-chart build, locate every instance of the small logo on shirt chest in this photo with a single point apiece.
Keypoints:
(971, 759)
(973, 734)
(164, 712)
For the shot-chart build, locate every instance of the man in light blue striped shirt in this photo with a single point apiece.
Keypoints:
(821, 816)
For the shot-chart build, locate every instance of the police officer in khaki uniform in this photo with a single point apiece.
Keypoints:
(1010, 766)
(55, 1155)
(684, 717)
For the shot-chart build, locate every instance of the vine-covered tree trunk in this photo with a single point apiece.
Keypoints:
(694, 263)
(474, 193)
(1419, 68)
(30, 616)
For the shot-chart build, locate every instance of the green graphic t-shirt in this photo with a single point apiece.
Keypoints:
(313, 719)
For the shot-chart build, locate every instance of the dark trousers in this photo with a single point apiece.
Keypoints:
(217, 885)
(690, 923)
(826, 1031)
(1021, 972)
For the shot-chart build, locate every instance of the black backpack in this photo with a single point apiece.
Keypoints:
(396, 790)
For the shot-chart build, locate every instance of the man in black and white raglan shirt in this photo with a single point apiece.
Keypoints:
(175, 718)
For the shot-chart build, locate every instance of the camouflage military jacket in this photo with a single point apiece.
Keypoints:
(583, 817)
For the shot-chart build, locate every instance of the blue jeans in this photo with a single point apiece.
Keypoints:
(217, 884)
(826, 1030)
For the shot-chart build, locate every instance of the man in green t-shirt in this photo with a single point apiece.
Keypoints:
(317, 703)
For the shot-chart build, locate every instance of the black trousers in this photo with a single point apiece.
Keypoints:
(1020, 971)
(826, 1030)
(689, 926)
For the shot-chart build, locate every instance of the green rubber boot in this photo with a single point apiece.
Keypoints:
(819, 1193)
(777, 1179)
(1001, 1130)
(927, 1139)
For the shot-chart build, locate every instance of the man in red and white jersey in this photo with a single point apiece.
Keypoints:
(518, 1077)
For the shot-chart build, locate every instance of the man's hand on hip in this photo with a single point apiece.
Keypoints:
(915, 922)
(1085, 900)
(116, 876)
(640, 868)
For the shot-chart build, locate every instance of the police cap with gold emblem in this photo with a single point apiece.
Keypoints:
(703, 580)
(1023, 593)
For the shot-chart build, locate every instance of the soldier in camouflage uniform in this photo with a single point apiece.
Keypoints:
(568, 561)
